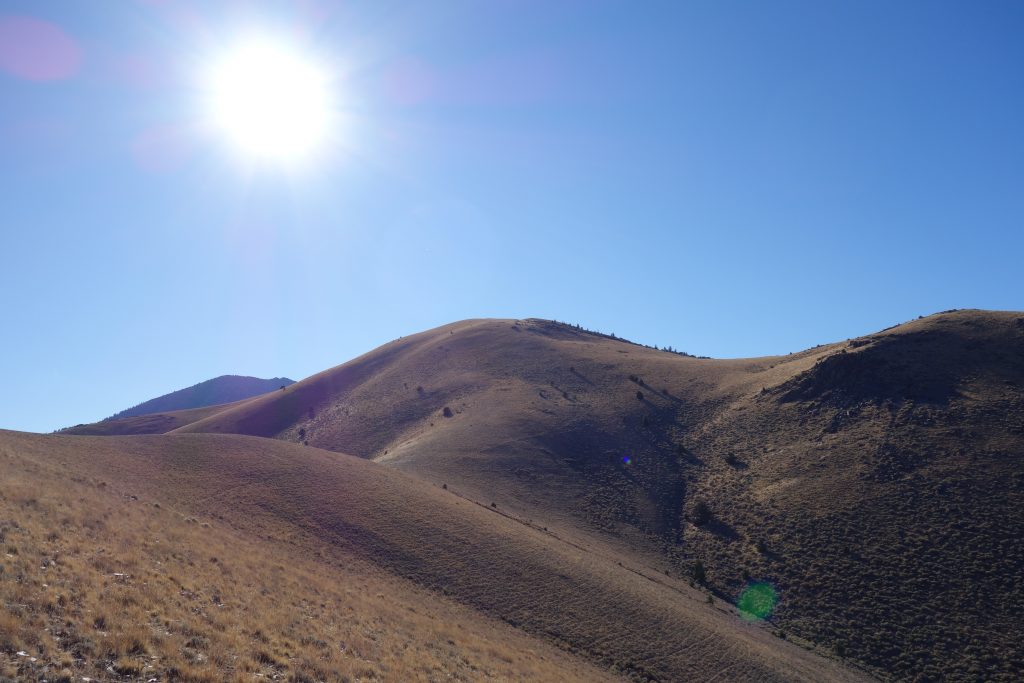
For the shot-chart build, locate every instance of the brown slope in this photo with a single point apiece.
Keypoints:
(541, 415)
(98, 583)
(332, 506)
(881, 476)
(212, 392)
(155, 423)
(887, 485)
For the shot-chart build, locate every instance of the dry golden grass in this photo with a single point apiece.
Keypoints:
(266, 558)
(96, 584)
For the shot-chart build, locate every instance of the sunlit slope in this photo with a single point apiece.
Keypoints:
(876, 481)
(541, 415)
(325, 507)
(104, 581)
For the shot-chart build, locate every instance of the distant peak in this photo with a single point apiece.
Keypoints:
(222, 389)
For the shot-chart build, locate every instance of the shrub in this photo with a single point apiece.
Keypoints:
(698, 573)
(639, 395)
(447, 412)
(701, 513)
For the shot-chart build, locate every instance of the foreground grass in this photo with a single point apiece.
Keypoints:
(96, 584)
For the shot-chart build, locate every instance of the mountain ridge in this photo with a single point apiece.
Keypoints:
(870, 480)
(215, 391)
(718, 461)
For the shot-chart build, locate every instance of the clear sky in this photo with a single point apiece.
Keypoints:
(729, 178)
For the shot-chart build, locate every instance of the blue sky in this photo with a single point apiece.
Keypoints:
(729, 178)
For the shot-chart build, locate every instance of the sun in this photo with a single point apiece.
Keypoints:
(269, 101)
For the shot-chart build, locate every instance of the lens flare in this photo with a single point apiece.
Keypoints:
(757, 601)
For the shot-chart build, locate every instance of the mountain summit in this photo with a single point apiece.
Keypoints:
(223, 389)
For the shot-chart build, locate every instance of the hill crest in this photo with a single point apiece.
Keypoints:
(215, 391)
(828, 472)
(768, 468)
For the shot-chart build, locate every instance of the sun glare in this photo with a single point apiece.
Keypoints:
(270, 101)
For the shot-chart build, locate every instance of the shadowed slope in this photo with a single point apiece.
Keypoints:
(321, 502)
(885, 485)
(874, 481)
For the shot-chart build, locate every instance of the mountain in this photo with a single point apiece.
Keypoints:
(212, 392)
(223, 389)
(219, 557)
(154, 423)
(875, 484)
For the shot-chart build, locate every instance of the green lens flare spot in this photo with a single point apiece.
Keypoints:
(757, 601)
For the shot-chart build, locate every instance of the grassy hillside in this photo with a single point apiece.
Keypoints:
(886, 486)
(212, 392)
(155, 423)
(100, 583)
(196, 555)
(876, 483)
(178, 408)
(167, 413)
